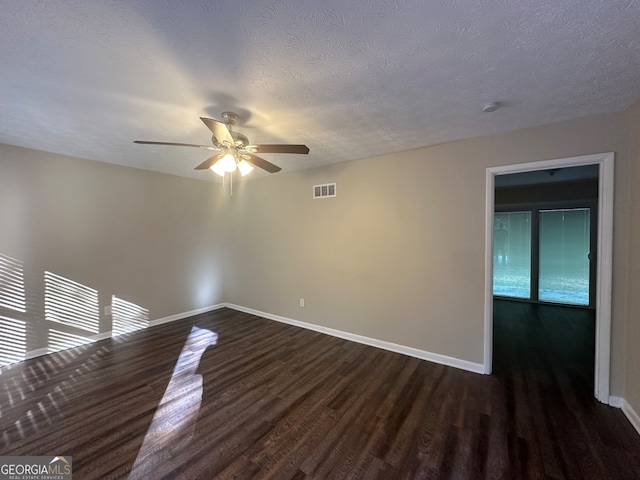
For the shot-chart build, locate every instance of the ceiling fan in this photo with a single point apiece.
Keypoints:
(235, 149)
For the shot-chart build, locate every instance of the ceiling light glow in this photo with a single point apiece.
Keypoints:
(244, 167)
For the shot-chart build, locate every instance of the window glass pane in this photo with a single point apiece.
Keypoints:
(512, 254)
(564, 256)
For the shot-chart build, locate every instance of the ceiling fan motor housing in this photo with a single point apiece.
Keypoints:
(239, 140)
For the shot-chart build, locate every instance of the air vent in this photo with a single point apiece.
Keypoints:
(324, 191)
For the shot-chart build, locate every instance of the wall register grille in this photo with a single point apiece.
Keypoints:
(327, 190)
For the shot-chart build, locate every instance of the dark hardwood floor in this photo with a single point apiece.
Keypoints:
(269, 400)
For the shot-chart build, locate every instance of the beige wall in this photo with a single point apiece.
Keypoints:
(152, 239)
(399, 254)
(632, 371)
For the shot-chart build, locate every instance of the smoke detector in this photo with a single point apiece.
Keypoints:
(490, 107)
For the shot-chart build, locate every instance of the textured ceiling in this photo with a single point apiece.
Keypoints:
(349, 79)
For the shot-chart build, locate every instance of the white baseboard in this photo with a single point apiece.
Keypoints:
(180, 316)
(631, 415)
(629, 412)
(373, 342)
(35, 353)
(616, 401)
(39, 352)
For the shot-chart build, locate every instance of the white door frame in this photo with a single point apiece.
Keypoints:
(604, 259)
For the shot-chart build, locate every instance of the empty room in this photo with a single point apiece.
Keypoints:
(320, 240)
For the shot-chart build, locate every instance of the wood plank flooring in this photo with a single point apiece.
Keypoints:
(269, 400)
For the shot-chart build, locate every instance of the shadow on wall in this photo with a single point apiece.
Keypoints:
(49, 313)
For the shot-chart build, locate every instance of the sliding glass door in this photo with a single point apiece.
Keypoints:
(544, 254)
(512, 254)
(564, 256)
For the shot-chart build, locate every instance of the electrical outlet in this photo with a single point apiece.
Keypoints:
(107, 310)
(302, 302)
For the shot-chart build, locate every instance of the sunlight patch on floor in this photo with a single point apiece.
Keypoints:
(175, 418)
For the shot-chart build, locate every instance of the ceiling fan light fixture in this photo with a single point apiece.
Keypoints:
(244, 167)
(229, 163)
(219, 168)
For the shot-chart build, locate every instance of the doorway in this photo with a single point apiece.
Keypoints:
(602, 262)
(546, 344)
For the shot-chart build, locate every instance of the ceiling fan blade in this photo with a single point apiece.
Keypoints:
(261, 163)
(206, 147)
(219, 130)
(208, 162)
(301, 149)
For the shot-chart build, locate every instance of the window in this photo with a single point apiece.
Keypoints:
(512, 254)
(564, 256)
